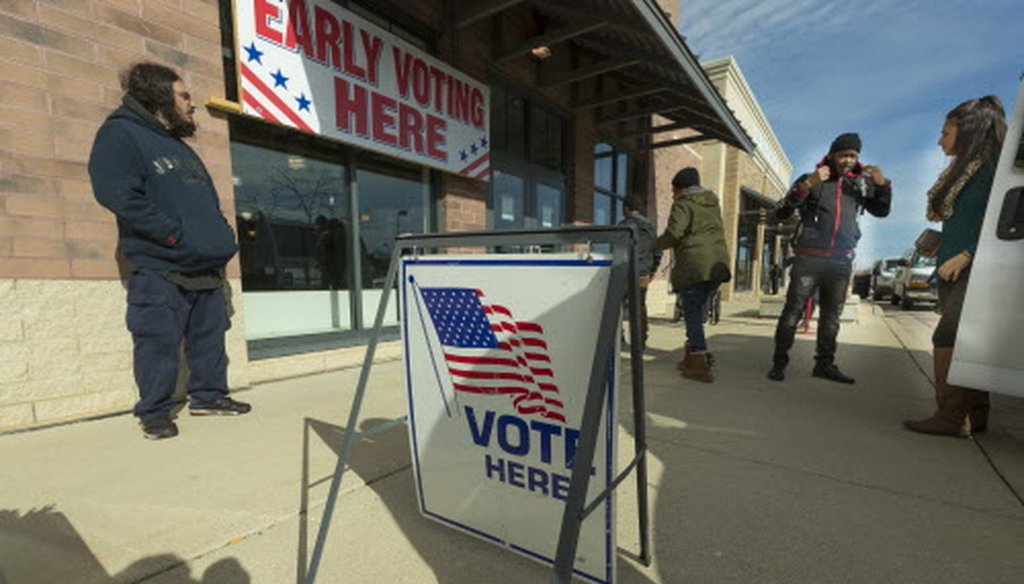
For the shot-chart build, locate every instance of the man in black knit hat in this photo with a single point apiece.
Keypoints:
(829, 201)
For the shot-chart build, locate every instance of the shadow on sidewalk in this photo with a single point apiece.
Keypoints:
(453, 557)
(41, 545)
(763, 481)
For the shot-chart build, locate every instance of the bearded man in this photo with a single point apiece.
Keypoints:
(172, 233)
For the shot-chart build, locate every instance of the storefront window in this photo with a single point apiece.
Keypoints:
(549, 205)
(767, 251)
(509, 198)
(744, 264)
(746, 243)
(308, 266)
(527, 162)
(611, 174)
(604, 208)
(292, 217)
(393, 199)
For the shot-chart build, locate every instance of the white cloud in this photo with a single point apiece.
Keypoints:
(887, 69)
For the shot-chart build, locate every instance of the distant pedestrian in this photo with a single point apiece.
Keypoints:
(172, 232)
(972, 134)
(701, 263)
(774, 277)
(829, 201)
(648, 256)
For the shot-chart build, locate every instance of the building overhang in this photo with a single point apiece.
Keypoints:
(627, 63)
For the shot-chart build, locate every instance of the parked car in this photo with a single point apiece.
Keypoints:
(915, 281)
(862, 284)
(881, 277)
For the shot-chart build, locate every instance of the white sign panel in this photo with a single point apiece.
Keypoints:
(312, 65)
(498, 352)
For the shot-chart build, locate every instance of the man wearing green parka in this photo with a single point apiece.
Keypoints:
(701, 262)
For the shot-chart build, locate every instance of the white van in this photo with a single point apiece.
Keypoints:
(988, 351)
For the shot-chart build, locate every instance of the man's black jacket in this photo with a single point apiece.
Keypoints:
(829, 211)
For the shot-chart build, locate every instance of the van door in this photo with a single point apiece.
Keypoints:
(988, 351)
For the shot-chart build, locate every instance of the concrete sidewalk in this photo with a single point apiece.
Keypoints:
(751, 482)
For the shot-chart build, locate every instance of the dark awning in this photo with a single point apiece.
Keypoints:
(628, 62)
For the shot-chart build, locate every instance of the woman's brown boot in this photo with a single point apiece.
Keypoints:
(697, 366)
(954, 401)
(681, 366)
(977, 411)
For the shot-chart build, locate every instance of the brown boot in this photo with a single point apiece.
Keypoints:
(977, 410)
(951, 417)
(685, 362)
(697, 366)
(941, 358)
(686, 357)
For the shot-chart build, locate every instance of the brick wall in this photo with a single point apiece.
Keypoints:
(61, 61)
(64, 351)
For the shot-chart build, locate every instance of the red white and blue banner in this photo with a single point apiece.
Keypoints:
(312, 65)
(498, 352)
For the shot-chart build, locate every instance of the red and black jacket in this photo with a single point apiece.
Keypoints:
(828, 212)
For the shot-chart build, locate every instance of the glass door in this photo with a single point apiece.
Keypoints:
(509, 200)
(393, 200)
(548, 204)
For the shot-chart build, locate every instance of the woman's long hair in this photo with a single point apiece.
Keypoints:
(980, 129)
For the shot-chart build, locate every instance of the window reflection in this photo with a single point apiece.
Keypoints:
(292, 214)
(508, 192)
(307, 263)
(549, 205)
(393, 200)
(611, 184)
(389, 205)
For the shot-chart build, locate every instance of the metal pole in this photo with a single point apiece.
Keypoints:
(353, 418)
(636, 360)
(572, 517)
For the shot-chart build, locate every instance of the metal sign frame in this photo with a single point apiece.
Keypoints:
(623, 281)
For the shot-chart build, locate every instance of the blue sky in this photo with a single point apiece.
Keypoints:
(886, 69)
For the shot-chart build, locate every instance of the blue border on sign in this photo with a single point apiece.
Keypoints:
(556, 263)
(609, 428)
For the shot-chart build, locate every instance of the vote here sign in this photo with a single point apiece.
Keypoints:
(315, 66)
(498, 352)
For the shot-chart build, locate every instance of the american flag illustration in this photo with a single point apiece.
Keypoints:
(479, 157)
(488, 351)
(266, 91)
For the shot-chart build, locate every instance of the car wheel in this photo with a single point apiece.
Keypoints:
(894, 299)
(906, 304)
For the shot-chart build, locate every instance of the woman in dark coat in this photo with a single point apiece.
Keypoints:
(973, 135)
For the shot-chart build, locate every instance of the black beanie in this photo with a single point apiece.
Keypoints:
(687, 177)
(848, 141)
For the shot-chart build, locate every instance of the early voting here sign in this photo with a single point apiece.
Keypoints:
(318, 67)
(498, 352)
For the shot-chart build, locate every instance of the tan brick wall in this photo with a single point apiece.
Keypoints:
(61, 61)
(464, 205)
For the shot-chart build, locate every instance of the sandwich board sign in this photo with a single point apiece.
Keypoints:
(498, 354)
